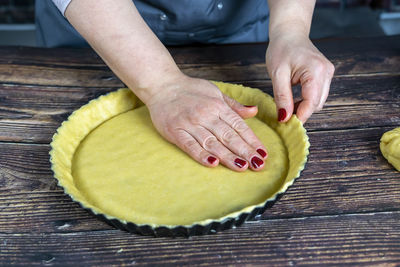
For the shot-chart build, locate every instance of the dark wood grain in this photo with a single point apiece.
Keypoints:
(102, 77)
(32, 113)
(39, 109)
(355, 50)
(343, 210)
(345, 174)
(235, 63)
(49, 75)
(335, 240)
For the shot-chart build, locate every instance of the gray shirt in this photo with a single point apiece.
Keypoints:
(174, 22)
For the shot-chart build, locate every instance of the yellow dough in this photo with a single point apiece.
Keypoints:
(390, 147)
(129, 171)
(108, 157)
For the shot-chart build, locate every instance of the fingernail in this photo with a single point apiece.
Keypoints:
(281, 114)
(211, 159)
(262, 152)
(256, 162)
(240, 163)
(249, 106)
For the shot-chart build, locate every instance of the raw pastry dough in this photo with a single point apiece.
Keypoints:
(126, 169)
(390, 147)
(108, 157)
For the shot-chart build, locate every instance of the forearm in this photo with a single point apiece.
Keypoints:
(121, 37)
(292, 59)
(290, 16)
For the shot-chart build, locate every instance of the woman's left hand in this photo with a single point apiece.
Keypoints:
(292, 59)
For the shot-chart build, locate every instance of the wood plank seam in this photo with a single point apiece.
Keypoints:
(251, 222)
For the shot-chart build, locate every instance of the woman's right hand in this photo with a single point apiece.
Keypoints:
(197, 117)
(191, 113)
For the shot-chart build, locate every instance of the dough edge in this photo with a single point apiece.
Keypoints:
(69, 135)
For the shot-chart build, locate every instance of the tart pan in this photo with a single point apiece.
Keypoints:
(71, 137)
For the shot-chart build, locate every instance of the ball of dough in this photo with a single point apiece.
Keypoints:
(390, 147)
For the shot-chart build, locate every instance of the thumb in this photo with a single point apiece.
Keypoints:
(283, 94)
(244, 111)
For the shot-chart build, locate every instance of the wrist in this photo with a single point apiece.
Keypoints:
(289, 29)
(288, 17)
(158, 86)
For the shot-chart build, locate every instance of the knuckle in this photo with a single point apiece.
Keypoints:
(240, 126)
(315, 103)
(203, 155)
(189, 145)
(253, 141)
(278, 73)
(168, 129)
(324, 66)
(319, 67)
(195, 115)
(228, 136)
(210, 142)
(219, 103)
(237, 123)
(244, 151)
(331, 69)
(195, 120)
(229, 100)
(282, 98)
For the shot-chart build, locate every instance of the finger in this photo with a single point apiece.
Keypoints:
(245, 132)
(231, 139)
(311, 92)
(327, 85)
(304, 110)
(188, 144)
(210, 143)
(244, 111)
(296, 104)
(283, 93)
(315, 88)
(324, 93)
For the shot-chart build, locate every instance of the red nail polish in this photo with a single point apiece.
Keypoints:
(262, 152)
(211, 159)
(281, 114)
(240, 163)
(256, 162)
(249, 106)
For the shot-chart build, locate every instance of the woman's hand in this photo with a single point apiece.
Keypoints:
(293, 59)
(191, 113)
(197, 117)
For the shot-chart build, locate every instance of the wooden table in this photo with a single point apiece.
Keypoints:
(345, 207)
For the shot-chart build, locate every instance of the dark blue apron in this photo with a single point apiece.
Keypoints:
(174, 22)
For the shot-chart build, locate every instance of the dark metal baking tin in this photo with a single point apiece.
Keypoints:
(186, 231)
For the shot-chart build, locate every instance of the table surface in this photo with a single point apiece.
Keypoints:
(344, 208)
